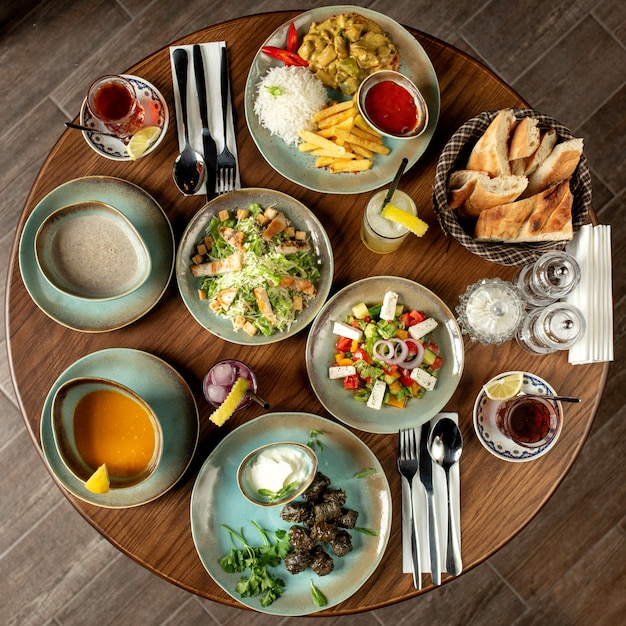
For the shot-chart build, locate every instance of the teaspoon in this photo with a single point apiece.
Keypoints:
(95, 131)
(445, 447)
(189, 169)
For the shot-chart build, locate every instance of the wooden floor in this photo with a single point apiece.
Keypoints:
(568, 59)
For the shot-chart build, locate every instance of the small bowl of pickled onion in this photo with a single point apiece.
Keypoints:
(393, 105)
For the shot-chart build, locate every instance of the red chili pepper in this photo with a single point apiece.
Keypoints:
(292, 38)
(287, 57)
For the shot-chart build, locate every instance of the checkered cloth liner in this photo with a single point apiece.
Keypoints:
(455, 156)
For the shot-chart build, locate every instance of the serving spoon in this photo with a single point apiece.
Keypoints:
(189, 169)
(445, 446)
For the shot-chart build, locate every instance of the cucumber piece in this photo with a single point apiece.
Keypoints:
(390, 378)
(399, 310)
(429, 356)
(369, 330)
(374, 311)
(360, 311)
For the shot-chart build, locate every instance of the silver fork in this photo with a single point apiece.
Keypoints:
(408, 466)
(226, 164)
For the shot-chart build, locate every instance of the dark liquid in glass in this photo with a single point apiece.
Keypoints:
(112, 102)
(529, 421)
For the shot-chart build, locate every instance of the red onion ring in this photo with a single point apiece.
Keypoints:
(416, 361)
(404, 351)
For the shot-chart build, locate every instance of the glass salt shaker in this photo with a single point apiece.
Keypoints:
(557, 326)
(551, 277)
(491, 311)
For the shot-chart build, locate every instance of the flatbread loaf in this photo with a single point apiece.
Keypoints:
(478, 192)
(558, 165)
(545, 216)
(491, 152)
(525, 139)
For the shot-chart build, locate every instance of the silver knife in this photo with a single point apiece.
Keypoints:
(208, 143)
(426, 476)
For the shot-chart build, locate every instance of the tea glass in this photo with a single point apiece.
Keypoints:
(529, 421)
(113, 101)
(550, 278)
(548, 329)
(379, 234)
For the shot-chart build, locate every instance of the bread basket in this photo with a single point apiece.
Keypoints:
(454, 157)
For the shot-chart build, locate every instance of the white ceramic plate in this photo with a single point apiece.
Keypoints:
(301, 217)
(300, 168)
(156, 114)
(320, 352)
(489, 435)
(216, 500)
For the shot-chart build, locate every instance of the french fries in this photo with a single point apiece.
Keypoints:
(343, 141)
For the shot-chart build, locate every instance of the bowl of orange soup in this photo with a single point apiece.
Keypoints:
(101, 422)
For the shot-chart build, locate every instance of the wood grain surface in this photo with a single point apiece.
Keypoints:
(498, 498)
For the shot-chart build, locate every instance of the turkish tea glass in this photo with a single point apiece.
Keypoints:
(221, 378)
(550, 278)
(112, 100)
(548, 329)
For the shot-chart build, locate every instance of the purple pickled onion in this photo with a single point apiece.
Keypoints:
(416, 361)
(404, 350)
(393, 354)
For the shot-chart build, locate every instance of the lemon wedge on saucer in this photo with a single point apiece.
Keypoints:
(227, 408)
(99, 481)
(504, 388)
(406, 219)
(141, 141)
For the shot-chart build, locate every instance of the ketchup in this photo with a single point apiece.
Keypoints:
(113, 101)
(391, 108)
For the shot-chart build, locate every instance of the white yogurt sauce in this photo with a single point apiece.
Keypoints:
(276, 467)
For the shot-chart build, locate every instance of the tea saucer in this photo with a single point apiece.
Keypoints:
(493, 440)
(167, 393)
(156, 113)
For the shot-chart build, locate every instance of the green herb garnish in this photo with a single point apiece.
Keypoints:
(367, 531)
(366, 473)
(275, 90)
(314, 439)
(278, 495)
(319, 599)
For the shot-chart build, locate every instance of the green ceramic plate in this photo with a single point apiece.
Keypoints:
(320, 351)
(172, 401)
(300, 168)
(216, 500)
(149, 221)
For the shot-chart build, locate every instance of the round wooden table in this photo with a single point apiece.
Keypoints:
(498, 498)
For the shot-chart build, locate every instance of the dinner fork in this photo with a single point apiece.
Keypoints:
(408, 466)
(226, 164)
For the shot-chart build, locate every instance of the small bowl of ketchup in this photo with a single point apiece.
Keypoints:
(392, 105)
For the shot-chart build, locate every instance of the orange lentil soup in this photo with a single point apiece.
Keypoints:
(112, 428)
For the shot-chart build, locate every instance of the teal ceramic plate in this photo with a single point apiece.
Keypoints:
(300, 168)
(216, 500)
(320, 351)
(173, 403)
(301, 217)
(150, 222)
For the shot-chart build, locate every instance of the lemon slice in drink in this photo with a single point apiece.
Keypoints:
(227, 408)
(504, 388)
(99, 481)
(406, 219)
(142, 141)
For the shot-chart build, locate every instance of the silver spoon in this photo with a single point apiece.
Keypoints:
(556, 398)
(95, 131)
(445, 446)
(189, 169)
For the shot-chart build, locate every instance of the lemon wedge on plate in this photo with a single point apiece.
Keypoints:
(142, 141)
(227, 408)
(504, 388)
(99, 481)
(406, 219)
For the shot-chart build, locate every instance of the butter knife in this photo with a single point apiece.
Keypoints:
(208, 143)
(426, 476)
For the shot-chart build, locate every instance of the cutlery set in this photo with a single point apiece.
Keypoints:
(420, 451)
(205, 166)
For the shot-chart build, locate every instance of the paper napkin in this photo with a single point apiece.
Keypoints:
(591, 247)
(212, 57)
(441, 504)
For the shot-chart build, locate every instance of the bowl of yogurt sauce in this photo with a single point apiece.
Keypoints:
(276, 473)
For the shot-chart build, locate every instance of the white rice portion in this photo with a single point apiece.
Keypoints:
(301, 96)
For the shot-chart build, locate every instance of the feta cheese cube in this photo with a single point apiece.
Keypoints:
(388, 309)
(423, 378)
(341, 371)
(345, 330)
(375, 401)
(417, 331)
